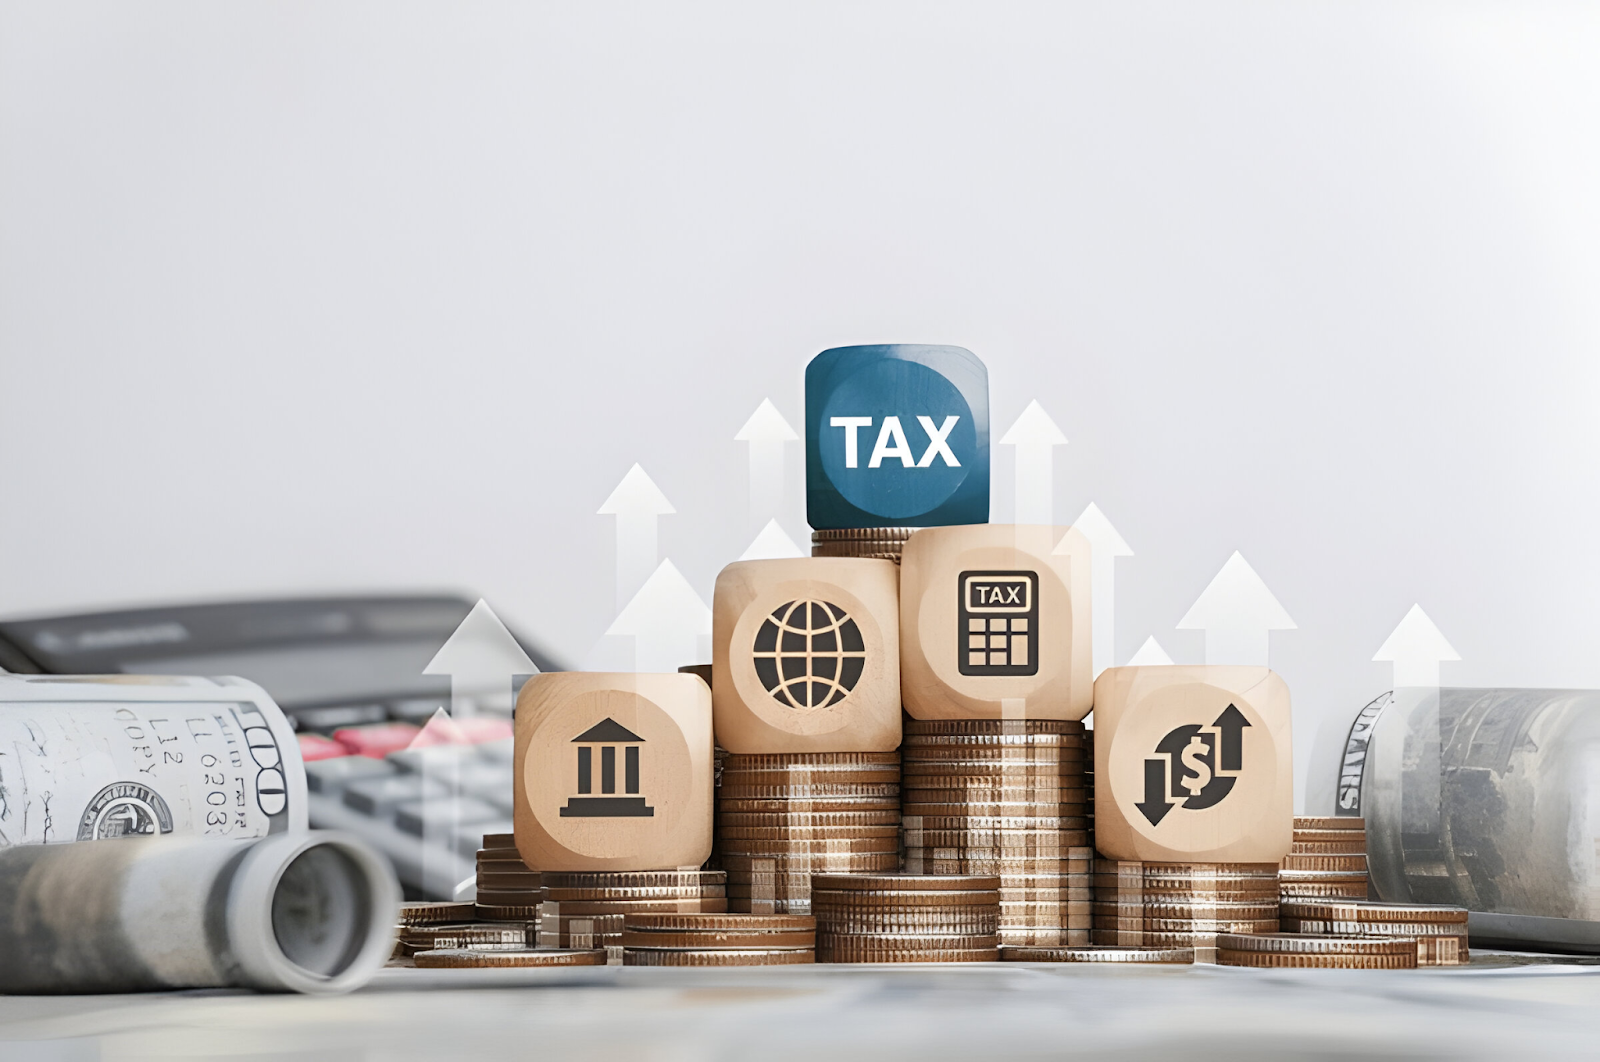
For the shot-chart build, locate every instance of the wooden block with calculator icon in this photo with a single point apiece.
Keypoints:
(806, 655)
(613, 771)
(994, 623)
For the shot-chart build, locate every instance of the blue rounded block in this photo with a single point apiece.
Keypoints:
(897, 435)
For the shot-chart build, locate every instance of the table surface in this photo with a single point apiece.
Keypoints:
(1503, 1006)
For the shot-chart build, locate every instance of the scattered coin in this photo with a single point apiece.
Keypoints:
(464, 957)
(1012, 953)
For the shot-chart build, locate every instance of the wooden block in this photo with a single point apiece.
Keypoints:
(806, 655)
(1194, 765)
(994, 623)
(613, 771)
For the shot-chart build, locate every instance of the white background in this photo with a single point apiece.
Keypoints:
(318, 297)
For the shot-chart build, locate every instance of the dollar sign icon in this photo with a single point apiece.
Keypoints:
(1192, 761)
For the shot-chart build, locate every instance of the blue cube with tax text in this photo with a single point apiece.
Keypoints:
(897, 435)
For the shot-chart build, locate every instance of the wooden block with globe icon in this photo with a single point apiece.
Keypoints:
(1193, 764)
(994, 623)
(806, 656)
(613, 771)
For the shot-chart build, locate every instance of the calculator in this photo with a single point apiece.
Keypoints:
(998, 623)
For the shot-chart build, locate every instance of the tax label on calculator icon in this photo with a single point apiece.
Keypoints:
(998, 626)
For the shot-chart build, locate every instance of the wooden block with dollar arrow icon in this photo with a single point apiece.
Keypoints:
(1194, 764)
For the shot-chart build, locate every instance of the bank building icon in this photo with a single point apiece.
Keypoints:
(605, 737)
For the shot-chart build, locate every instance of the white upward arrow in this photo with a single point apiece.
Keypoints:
(480, 656)
(1150, 653)
(771, 544)
(767, 432)
(667, 619)
(1035, 436)
(1105, 546)
(1416, 648)
(637, 503)
(1236, 611)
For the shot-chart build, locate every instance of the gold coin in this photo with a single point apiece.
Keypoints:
(918, 748)
(1012, 897)
(508, 897)
(808, 820)
(1356, 890)
(864, 950)
(1355, 846)
(599, 907)
(467, 935)
(838, 862)
(492, 879)
(864, 552)
(467, 958)
(804, 833)
(1068, 765)
(1196, 909)
(601, 923)
(708, 940)
(917, 862)
(754, 956)
(1342, 822)
(1211, 926)
(1138, 938)
(632, 879)
(740, 761)
(1192, 896)
(820, 846)
(1063, 837)
(1189, 871)
(995, 822)
(903, 899)
(907, 882)
(1011, 953)
(717, 923)
(642, 892)
(983, 727)
(1043, 936)
(1303, 944)
(820, 790)
(1300, 960)
(810, 776)
(863, 534)
(1349, 863)
(1332, 928)
(526, 912)
(1376, 912)
(1312, 877)
(1008, 809)
(434, 912)
(981, 798)
(808, 805)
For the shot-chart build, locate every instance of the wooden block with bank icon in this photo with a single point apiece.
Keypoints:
(613, 771)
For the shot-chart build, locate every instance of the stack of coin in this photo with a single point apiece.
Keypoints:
(508, 890)
(427, 914)
(783, 816)
(1088, 782)
(882, 542)
(1440, 932)
(476, 959)
(718, 940)
(906, 917)
(1003, 797)
(1328, 860)
(585, 909)
(1278, 950)
(469, 936)
(1182, 905)
(1013, 953)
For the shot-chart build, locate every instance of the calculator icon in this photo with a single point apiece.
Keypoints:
(998, 625)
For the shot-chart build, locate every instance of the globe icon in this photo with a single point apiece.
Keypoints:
(809, 654)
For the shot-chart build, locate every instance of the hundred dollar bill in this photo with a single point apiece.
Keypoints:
(91, 757)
